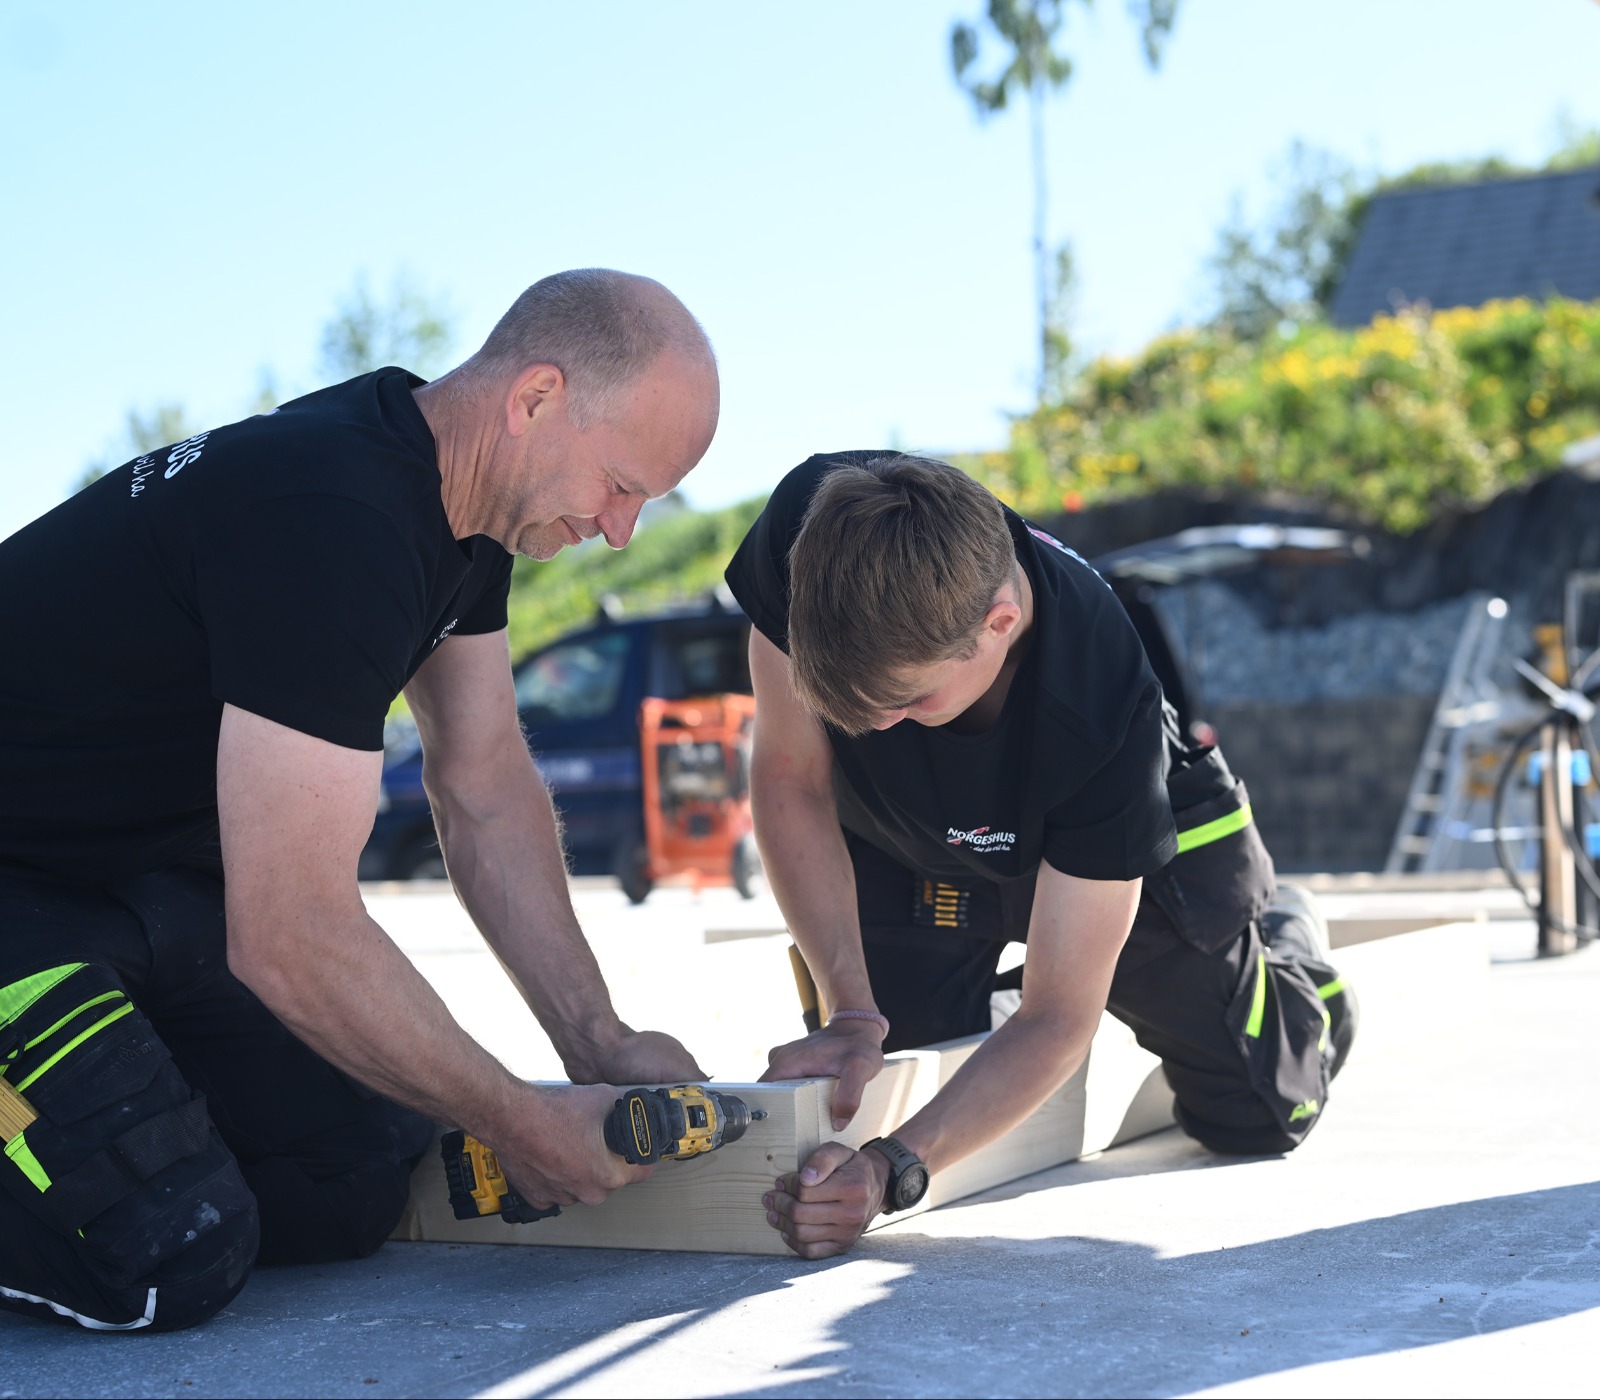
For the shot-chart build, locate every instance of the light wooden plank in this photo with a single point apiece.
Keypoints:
(1052, 1134)
(1088, 1113)
(1126, 1094)
(1415, 984)
(714, 1203)
(710, 1203)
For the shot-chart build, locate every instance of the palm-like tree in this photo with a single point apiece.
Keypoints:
(1035, 67)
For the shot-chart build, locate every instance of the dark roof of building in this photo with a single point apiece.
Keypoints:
(1463, 245)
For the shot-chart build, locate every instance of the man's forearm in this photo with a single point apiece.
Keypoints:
(1007, 1077)
(350, 994)
(808, 867)
(503, 852)
(1075, 935)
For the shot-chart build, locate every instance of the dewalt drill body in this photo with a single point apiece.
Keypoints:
(644, 1126)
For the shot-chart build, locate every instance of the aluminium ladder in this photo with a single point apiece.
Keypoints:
(1471, 708)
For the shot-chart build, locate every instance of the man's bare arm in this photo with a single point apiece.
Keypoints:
(502, 849)
(1075, 936)
(809, 869)
(295, 812)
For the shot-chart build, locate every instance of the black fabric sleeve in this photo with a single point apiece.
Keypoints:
(313, 606)
(487, 613)
(1119, 825)
(758, 574)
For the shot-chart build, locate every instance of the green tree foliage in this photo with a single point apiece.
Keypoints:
(1391, 423)
(1060, 350)
(366, 333)
(1576, 145)
(1288, 269)
(1031, 65)
(363, 334)
(676, 555)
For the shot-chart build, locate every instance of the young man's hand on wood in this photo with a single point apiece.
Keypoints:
(849, 1051)
(822, 1209)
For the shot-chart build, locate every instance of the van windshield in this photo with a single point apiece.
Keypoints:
(573, 681)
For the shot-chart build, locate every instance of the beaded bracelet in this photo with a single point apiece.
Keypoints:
(881, 1019)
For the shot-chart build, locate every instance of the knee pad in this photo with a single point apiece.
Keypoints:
(122, 1164)
(197, 1283)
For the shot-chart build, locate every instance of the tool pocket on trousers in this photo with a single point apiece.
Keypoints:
(1222, 876)
(83, 1047)
(1278, 1021)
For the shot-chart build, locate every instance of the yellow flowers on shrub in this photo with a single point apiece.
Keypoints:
(1393, 421)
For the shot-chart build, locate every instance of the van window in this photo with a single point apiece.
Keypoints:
(574, 681)
(700, 660)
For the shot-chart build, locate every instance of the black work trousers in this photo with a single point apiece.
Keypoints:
(1240, 1028)
(184, 1134)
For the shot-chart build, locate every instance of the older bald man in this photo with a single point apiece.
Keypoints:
(230, 1061)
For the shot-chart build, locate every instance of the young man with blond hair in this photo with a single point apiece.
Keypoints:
(960, 743)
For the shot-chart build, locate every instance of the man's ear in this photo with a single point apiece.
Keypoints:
(530, 393)
(1003, 617)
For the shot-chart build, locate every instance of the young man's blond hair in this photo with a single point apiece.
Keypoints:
(896, 565)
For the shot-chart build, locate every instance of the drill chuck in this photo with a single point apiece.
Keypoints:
(735, 1114)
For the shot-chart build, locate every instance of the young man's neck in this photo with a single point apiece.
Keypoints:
(985, 710)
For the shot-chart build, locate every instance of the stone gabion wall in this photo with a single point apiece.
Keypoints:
(1324, 723)
(1327, 778)
(1233, 657)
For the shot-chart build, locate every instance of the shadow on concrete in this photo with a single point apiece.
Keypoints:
(907, 1314)
(1073, 1316)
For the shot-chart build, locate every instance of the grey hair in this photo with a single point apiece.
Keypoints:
(602, 329)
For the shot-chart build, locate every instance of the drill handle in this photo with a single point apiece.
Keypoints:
(644, 1126)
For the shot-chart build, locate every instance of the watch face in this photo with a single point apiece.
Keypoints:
(911, 1187)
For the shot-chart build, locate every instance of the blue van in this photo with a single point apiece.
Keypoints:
(578, 699)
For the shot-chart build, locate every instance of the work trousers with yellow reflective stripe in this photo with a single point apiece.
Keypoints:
(1240, 1028)
(183, 1134)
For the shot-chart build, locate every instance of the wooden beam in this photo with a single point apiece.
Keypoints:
(710, 1203)
(714, 1203)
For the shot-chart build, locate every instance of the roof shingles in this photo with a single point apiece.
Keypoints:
(1463, 245)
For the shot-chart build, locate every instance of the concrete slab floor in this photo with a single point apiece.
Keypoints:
(1438, 1235)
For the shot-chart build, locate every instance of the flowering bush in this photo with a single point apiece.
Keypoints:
(1415, 412)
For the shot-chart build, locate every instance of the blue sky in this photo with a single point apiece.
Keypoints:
(190, 189)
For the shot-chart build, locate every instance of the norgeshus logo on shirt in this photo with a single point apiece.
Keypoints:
(982, 839)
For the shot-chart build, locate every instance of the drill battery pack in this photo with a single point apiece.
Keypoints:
(477, 1185)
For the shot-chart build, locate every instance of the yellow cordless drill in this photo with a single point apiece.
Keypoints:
(644, 1126)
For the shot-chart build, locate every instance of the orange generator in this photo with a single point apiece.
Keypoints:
(695, 762)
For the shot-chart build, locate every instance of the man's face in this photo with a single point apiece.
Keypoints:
(939, 693)
(568, 484)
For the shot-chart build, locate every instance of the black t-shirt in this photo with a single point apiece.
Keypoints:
(297, 564)
(1073, 770)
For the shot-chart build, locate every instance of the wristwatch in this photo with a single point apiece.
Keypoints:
(908, 1175)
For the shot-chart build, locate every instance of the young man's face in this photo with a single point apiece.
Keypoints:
(940, 692)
